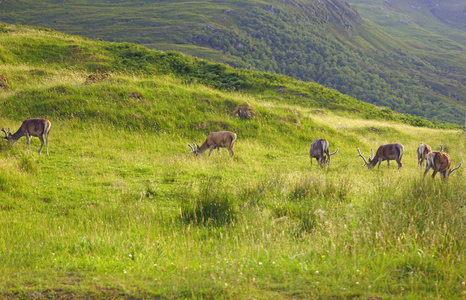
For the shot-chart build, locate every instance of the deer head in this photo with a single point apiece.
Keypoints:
(194, 148)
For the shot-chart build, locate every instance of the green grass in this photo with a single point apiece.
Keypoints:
(120, 209)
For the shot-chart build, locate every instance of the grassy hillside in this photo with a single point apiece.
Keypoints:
(120, 210)
(419, 72)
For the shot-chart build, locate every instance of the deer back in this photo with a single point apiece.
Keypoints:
(319, 147)
(389, 152)
(442, 161)
(219, 139)
(423, 150)
(35, 127)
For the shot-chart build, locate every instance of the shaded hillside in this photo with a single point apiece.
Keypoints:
(322, 41)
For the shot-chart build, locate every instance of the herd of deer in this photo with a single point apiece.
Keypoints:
(439, 161)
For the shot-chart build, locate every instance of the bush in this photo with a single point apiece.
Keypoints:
(212, 205)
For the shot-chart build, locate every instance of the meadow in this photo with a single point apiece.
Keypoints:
(120, 209)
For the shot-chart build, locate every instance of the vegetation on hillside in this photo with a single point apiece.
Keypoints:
(120, 210)
(321, 41)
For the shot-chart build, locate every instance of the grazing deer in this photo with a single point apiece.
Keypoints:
(217, 140)
(30, 127)
(422, 152)
(439, 162)
(320, 148)
(385, 152)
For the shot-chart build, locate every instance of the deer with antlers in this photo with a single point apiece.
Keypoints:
(440, 162)
(320, 151)
(219, 139)
(30, 128)
(385, 152)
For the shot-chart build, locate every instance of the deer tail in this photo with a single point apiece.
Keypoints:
(400, 149)
(47, 126)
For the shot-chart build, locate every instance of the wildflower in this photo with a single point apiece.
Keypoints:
(260, 263)
(130, 255)
(317, 272)
(124, 271)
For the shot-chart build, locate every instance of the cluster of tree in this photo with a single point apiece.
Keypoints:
(282, 43)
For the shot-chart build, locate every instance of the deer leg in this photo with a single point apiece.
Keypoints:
(380, 162)
(444, 175)
(321, 162)
(399, 163)
(433, 174)
(47, 143)
(211, 149)
(231, 152)
(28, 137)
(427, 170)
(41, 144)
(388, 162)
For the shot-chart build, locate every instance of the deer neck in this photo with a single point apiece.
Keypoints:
(12, 138)
(203, 148)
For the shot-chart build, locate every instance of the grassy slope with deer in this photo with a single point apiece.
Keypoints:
(119, 209)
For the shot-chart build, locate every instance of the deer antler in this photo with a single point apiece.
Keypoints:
(441, 148)
(451, 171)
(334, 152)
(372, 154)
(6, 133)
(192, 148)
(365, 161)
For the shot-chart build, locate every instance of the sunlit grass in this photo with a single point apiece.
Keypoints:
(120, 209)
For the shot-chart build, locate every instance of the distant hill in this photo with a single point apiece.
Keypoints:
(408, 68)
(443, 17)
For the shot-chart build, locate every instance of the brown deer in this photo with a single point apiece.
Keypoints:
(217, 140)
(320, 148)
(385, 152)
(29, 128)
(440, 162)
(422, 152)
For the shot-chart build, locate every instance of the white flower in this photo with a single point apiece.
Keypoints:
(317, 272)
(260, 263)
(124, 271)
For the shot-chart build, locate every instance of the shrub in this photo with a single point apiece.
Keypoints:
(212, 205)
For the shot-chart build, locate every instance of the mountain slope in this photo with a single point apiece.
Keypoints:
(120, 210)
(323, 41)
(446, 18)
